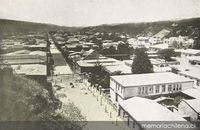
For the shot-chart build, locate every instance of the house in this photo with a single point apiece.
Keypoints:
(89, 65)
(22, 59)
(143, 42)
(36, 72)
(195, 60)
(91, 54)
(155, 40)
(123, 87)
(124, 69)
(190, 107)
(163, 33)
(160, 65)
(138, 112)
(190, 52)
(193, 75)
(109, 44)
(159, 47)
(73, 40)
(194, 93)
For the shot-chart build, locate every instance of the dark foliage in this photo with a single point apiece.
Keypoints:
(141, 63)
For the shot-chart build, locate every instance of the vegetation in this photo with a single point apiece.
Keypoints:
(12, 26)
(22, 99)
(167, 54)
(141, 63)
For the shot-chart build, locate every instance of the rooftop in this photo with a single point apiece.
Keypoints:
(194, 58)
(35, 69)
(123, 68)
(191, 51)
(103, 61)
(160, 46)
(149, 79)
(194, 103)
(193, 92)
(142, 109)
(192, 73)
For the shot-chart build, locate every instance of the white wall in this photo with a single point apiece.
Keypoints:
(185, 109)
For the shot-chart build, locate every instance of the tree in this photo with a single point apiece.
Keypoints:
(167, 54)
(141, 63)
(175, 70)
(123, 48)
(78, 48)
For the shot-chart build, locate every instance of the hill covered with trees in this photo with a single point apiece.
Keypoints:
(13, 26)
(186, 27)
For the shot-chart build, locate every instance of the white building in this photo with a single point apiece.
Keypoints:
(123, 87)
(194, 60)
(139, 111)
(159, 47)
(191, 108)
(190, 52)
(193, 75)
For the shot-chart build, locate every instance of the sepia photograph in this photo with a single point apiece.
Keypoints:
(99, 64)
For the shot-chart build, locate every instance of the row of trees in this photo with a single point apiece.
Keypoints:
(122, 48)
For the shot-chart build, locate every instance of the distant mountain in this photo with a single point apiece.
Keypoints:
(186, 27)
(12, 26)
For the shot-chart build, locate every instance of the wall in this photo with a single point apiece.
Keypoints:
(187, 110)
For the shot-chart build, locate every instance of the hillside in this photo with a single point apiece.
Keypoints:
(23, 99)
(186, 27)
(12, 26)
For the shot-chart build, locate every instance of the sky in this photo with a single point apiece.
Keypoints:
(96, 12)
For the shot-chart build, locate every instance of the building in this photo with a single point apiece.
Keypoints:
(152, 54)
(89, 65)
(159, 47)
(22, 59)
(195, 60)
(190, 52)
(123, 87)
(159, 65)
(139, 111)
(191, 108)
(36, 72)
(194, 93)
(193, 75)
(124, 69)
(163, 33)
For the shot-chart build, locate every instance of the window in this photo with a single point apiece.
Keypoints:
(146, 90)
(163, 88)
(198, 83)
(116, 97)
(139, 90)
(157, 89)
(142, 90)
(151, 89)
(174, 87)
(169, 88)
(180, 87)
(177, 87)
